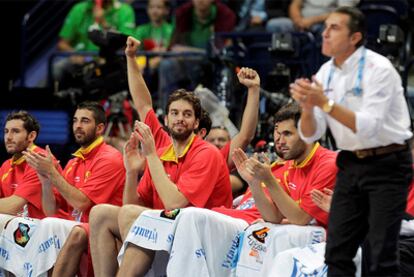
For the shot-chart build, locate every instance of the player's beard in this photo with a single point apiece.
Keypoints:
(295, 151)
(182, 136)
(86, 138)
(18, 147)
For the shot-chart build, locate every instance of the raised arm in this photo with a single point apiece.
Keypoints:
(139, 90)
(251, 80)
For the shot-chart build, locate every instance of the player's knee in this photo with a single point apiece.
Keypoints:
(192, 215)
(102, 212)
(77, 238)
(128, 214)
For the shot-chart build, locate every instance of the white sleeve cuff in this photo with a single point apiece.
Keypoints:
(320, 127)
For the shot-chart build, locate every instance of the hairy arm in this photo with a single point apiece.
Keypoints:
(12, 205)
(137, 86)
(134, 164)
(251, 80)
(48, 197)
(44, 165)
(286, 205)
(171, 197)
(265, 205)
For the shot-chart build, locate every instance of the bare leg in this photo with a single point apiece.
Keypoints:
(127, 216)
(137, 260)
(104, 234)
(67, 263)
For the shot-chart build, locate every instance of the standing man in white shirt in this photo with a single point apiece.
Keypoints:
(358, 94)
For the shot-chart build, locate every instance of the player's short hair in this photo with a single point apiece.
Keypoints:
(29, 122)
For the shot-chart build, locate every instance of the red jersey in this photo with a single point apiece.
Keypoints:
(200, 173)
(97, 171)
(410, 200)
(317, 171)
(161, 137)
(18, 178)
(225, 151)
(247, 209)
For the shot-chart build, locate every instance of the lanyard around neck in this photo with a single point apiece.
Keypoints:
(357, 88)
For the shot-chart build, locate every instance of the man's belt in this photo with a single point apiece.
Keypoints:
(382, 150)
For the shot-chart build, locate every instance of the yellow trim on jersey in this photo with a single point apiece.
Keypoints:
(277, 162)
(285, 180)
(308, 158)
(6, 174)
(81, 152)
(22, 158)
(169, 154)
(16, 162)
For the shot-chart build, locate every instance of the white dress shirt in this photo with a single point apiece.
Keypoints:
(382, 116)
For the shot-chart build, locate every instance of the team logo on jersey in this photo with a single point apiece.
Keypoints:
(292, 186)
(87, 174)
(260, 234)
(170, 214)
(21, 235)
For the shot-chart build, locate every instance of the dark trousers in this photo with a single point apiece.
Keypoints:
(368, 204)
(407, 256)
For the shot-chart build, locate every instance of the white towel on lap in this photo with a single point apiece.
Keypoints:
(153, 229)
(304, 261)
(29, 247)
(204, 242)
(263, 241)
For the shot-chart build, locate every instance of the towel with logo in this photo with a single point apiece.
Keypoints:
(261, 242)
(200, 242)
(29, 247)
(205, 244)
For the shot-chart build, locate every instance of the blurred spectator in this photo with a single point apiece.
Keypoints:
(219, 136)
(84, 16)
(306, 15)
(195, 22)
(154, 36)
(251, 16)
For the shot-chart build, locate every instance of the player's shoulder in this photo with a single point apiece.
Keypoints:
(108, 152)
(325, 158)
(206, 147)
